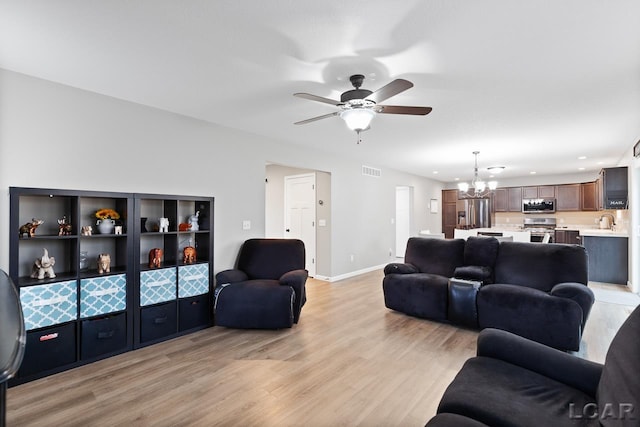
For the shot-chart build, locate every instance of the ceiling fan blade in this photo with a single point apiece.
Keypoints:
(313, 119)
(398, 109)
(317, 98)
(393, 88)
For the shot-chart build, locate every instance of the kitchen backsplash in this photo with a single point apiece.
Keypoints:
(568, 219)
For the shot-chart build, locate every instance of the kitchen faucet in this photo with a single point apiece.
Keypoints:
(613, 220)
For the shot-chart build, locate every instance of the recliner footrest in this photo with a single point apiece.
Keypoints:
(462, 308)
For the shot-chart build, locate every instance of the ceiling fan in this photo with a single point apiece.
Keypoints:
(359, 106)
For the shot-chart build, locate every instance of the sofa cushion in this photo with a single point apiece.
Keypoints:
(619, 387)
(530, 313)
(420, 294)
(540, 266)
(498, 393)
(453, 420)
(481, 251)
(435, 256)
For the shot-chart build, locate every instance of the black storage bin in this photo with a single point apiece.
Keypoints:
(194, 312)
(158, 321)
(49, 348)
(103, 335)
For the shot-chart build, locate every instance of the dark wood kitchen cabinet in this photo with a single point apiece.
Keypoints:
(568, 197)
(449, 212)
(589, 196)
(539, 192)
(567, 236)
(514, 199)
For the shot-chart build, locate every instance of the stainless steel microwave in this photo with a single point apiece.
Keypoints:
(538, 205)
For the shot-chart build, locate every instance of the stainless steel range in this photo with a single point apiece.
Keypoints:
(539, 227)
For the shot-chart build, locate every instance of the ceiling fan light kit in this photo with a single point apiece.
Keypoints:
(358, 119)
(359, 106)
(478, 188)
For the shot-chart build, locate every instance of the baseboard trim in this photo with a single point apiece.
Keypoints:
(350, 274)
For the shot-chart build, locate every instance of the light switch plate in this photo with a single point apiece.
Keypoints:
(246, 224)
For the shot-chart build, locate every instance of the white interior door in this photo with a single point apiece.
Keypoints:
(403, 219)
(300, 214)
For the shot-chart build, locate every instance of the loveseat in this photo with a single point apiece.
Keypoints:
(538, 291)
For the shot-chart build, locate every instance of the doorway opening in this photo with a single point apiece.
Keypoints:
(298, 205)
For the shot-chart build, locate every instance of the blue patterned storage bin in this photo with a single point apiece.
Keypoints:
(101, 295)
(157, 286)
(46, 305)
(193, 280)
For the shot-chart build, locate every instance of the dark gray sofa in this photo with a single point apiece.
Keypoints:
(534, 290)
(517, 382)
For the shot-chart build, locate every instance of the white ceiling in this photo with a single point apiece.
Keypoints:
(532, 85)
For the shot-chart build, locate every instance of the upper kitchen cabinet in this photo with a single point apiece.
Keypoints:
(514, 199)
(613, 182)
(507, 199)
(589, 196)
(568, 197)
(539, 192)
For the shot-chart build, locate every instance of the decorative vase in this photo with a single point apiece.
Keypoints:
(105, 226)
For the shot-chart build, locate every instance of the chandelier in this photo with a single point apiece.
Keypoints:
(478, 188)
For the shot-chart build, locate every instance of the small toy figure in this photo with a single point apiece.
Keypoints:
(117, 229)
(164, 224)
(44, 266)
(104, 263)
(155, 257)
(87, 230)
(64, 227)
(193, 220)
(30, 228)
(183, 226)
(189, 255)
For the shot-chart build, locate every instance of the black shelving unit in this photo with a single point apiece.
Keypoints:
(82, 315)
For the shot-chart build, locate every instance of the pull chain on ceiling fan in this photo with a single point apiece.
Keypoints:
(358, 106)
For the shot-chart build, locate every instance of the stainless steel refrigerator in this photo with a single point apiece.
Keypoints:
(474, 213)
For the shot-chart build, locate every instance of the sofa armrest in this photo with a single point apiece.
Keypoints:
(230, 276)
(577, 292)
(296, 279)
(555, 364)
(400, 268)
(473, 272)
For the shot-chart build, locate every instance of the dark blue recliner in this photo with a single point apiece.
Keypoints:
(266, 290)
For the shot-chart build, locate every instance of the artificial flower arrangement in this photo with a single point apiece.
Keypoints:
(107, 214)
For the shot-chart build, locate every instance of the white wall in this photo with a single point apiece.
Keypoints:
(54, 136)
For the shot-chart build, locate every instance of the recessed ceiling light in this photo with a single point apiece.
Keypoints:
(435, 172)
(495, 169)
(580, 169)
(600, 163)
(582, 157)
(532, 172)
(456, 179)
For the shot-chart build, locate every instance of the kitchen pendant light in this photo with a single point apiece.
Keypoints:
(478, 188)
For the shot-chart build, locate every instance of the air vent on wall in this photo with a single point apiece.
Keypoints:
(371, 171)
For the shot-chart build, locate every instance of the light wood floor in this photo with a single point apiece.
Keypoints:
(349, 362)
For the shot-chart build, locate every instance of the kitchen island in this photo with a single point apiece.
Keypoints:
(517, 235)
(608, 253)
